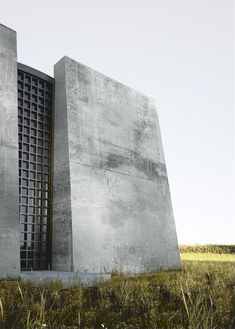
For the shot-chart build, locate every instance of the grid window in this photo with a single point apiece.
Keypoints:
(25, 165)
(26, 130)
(33, 107)
(34, 169)
(26, 138)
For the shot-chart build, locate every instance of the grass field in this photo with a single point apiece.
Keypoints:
(201, 296)
(207, 257)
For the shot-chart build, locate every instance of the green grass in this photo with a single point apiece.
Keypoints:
(201, 296)
(207, 257)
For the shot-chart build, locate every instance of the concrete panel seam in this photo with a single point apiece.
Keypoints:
(114, 171)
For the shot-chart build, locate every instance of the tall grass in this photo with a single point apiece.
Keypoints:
(201, 296)
(208, 248)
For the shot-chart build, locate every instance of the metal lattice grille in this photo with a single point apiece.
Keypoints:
(34, 127)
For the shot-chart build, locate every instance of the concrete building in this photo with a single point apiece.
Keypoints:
(83, 181)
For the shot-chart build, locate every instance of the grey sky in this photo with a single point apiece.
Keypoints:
(178, 51)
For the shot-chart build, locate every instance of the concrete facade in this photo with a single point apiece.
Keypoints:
(9, 199)
(111, 200)
(112, 207)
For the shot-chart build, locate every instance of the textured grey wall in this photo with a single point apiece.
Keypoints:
(61, 219)
(9, 202)
(112, 206)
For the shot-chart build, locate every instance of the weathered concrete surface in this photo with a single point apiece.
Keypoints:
(112, 206)
(9, 180)
(62, 257)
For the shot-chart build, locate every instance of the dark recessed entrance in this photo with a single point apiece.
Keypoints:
(35, 103)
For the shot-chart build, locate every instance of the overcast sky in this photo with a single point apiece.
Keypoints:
(178, 51)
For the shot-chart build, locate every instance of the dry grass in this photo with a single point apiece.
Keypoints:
(201, 296)
(207, 257)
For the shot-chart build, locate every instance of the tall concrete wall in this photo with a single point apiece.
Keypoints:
(9, 181)
(112, 206)
(62, 256)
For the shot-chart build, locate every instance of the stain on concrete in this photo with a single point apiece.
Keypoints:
(116, 160)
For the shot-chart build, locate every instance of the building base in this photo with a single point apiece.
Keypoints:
(66, 278)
